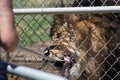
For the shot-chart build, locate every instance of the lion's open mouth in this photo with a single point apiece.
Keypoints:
(64, 65)
(64, 62)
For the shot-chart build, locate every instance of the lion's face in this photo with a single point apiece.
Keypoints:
(62, 58)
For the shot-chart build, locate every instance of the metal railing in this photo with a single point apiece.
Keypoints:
(32, 74)
(81, 10)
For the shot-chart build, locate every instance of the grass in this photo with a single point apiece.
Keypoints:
(32, 28)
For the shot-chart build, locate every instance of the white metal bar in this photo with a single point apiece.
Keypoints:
(31, 73)
(100, 9)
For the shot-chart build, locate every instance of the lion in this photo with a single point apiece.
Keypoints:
(87, 44)
(82, 43)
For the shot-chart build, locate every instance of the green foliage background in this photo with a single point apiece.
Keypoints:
(32, 28)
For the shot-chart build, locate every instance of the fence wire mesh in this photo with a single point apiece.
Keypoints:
(89, 42)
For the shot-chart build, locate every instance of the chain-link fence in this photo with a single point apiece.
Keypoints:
(77, 46)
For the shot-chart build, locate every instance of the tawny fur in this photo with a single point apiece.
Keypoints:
(84, 38)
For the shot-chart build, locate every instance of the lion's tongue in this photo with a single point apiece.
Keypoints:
(66, 67)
